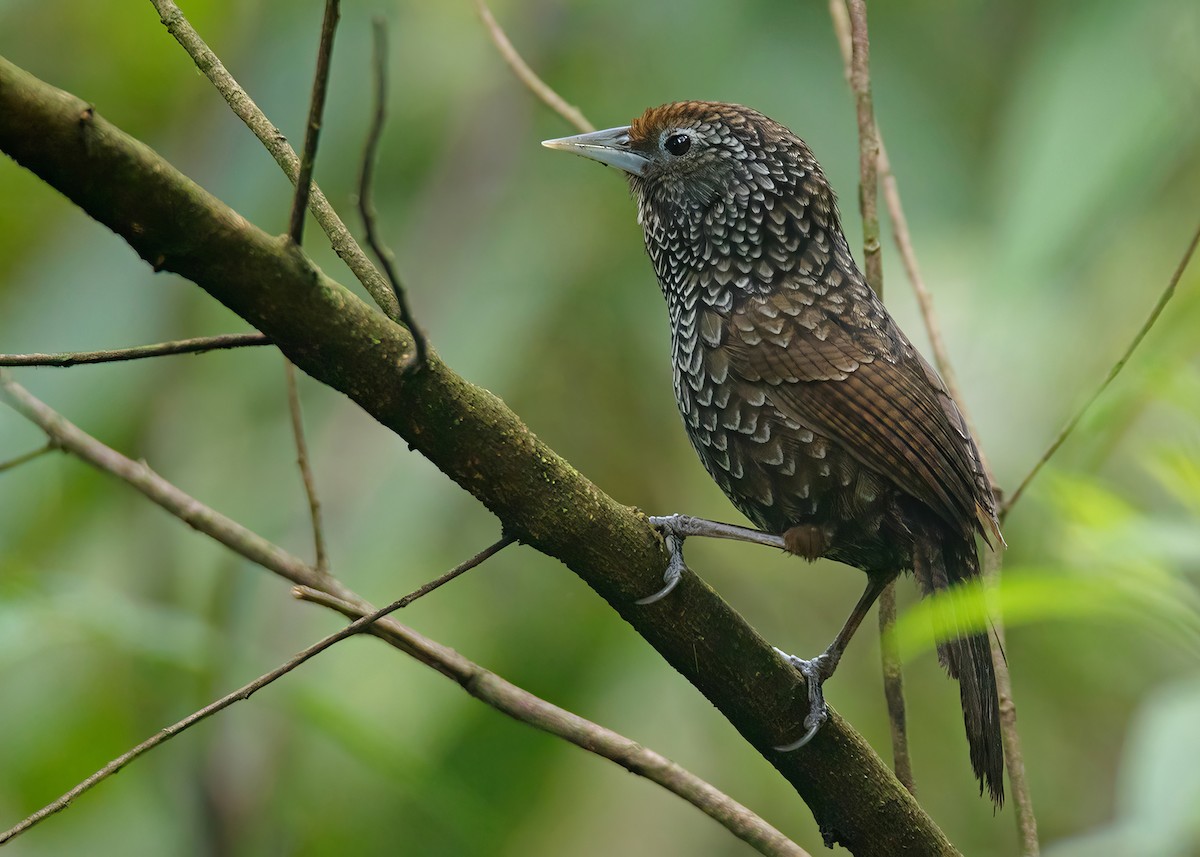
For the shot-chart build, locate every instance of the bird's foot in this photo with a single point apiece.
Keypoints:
(673, 535)
(815, 672)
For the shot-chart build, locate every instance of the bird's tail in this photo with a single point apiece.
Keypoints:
(941, 562)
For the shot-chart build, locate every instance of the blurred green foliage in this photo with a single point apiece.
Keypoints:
(1048, 154)
(1116, 564)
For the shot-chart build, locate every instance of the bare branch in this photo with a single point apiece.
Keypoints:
(1065, 432)
(367, 208)
(868, 143)
(439, 582)
(1014, 757)
(310, 485)
(893, 690)
(29, 456)
(902, 237)
(138, 474)
(243, 692)
(858, 72)
(276, 144)
(908, 256)
(312, 130)
(480, 683)
(1026, 823)
(180, 346)
(527, 76)
(523, 706)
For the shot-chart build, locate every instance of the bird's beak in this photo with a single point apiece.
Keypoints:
(610, 147)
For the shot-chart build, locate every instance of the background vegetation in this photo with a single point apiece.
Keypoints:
(1048, 154)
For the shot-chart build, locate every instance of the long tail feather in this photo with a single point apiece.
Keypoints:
(940, 562)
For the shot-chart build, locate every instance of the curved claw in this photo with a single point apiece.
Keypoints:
(674, 572)
(672, 581)
(796, 745)
(818, 712)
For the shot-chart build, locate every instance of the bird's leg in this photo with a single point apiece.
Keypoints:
(820, 668)
(676, 528)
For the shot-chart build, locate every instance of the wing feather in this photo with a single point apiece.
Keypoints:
(867, 389)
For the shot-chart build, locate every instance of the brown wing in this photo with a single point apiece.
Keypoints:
(860, 382)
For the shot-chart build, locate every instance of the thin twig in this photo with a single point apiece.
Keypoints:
(859, 75)
(1026, 823)
(893, 681)
(228, 532)
(29, 456)
(480, 683)
(841, 30)
(933, 328)
(893, 691)
(903, 238)
(312, 131)
(179, 346)
(367, 208)
(276, 144)
(1166, 295)
(527, 76)
(243, 692)
(521, 705)
(438, 582)
(1014, 757)
(868, 143)
(306, 475)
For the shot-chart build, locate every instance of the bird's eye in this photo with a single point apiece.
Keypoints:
(678, 144)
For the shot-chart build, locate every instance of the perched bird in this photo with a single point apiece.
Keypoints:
(803, 398)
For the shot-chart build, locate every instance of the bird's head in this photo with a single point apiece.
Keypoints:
(693, 153)
(722, 189)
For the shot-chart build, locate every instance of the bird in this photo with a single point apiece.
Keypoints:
(804, 400)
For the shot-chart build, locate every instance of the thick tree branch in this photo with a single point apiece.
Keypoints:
(473, 437)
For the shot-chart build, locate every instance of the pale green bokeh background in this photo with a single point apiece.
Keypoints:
(1048, 156)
